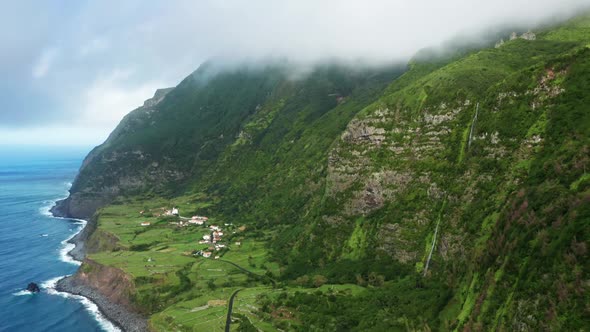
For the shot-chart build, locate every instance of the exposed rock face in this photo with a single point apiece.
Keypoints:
(386, 155)
(80, 205)
(378, 161)
(529, 35)
(513, 36)
(157, 98)
(111, 282)
(361, 130)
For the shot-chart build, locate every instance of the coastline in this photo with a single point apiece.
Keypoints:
(116, 314)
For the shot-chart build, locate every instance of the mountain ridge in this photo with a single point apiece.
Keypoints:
(473, 166)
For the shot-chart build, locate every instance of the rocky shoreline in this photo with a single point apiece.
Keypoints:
(119, 315)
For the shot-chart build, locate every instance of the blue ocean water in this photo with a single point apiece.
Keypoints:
(32, 246)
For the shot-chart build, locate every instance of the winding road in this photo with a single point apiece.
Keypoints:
(231, 299)
(229, 310)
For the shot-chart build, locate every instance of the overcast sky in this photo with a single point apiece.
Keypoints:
(70, 70)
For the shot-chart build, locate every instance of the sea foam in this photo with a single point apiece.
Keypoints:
(45, 210)
(64, 253)
(22, 293)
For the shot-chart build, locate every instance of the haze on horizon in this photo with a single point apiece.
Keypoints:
(70, 70)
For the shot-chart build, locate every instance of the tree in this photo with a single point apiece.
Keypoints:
(211, 284)
(319, 280)
(302, 281)
(376, 280)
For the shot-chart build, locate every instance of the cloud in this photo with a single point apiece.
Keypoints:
(44, 63)
(381, 30)
(104, 103)
(83, 64)
(51, 135)
(95, 45)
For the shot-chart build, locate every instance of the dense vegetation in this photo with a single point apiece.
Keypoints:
(453, 197)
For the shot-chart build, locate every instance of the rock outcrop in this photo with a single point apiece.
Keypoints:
(33, 288)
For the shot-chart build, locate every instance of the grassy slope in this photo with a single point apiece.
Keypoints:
(486, 185)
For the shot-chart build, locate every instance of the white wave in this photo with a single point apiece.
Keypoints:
(22, 292)
(49, 285)
(64, 253)
(45, 210)
(90, 306)
(66, 246)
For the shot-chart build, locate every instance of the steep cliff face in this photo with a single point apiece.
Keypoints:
(419, 152)
(160, 144)
(109, 281)
(443, 172)
(111, 290)
(182, 133)
(108, 172)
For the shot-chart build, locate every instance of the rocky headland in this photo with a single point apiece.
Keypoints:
(107, 287)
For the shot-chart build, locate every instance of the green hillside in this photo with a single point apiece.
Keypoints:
(449, 195)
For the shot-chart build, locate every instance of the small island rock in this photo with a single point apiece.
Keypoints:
(33, 288)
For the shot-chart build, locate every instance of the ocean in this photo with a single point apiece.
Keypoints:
(32, 243)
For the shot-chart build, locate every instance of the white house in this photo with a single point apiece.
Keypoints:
(206, 254)
(206, 237)
(145, 223)
(175, 211)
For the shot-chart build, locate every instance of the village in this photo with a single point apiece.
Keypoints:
(213, 239)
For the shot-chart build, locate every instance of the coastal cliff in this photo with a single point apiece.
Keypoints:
(446, 192)
(110, 289)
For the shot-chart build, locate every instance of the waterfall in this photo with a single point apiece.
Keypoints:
(472, 126)
(434, 238)
(431, 248)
